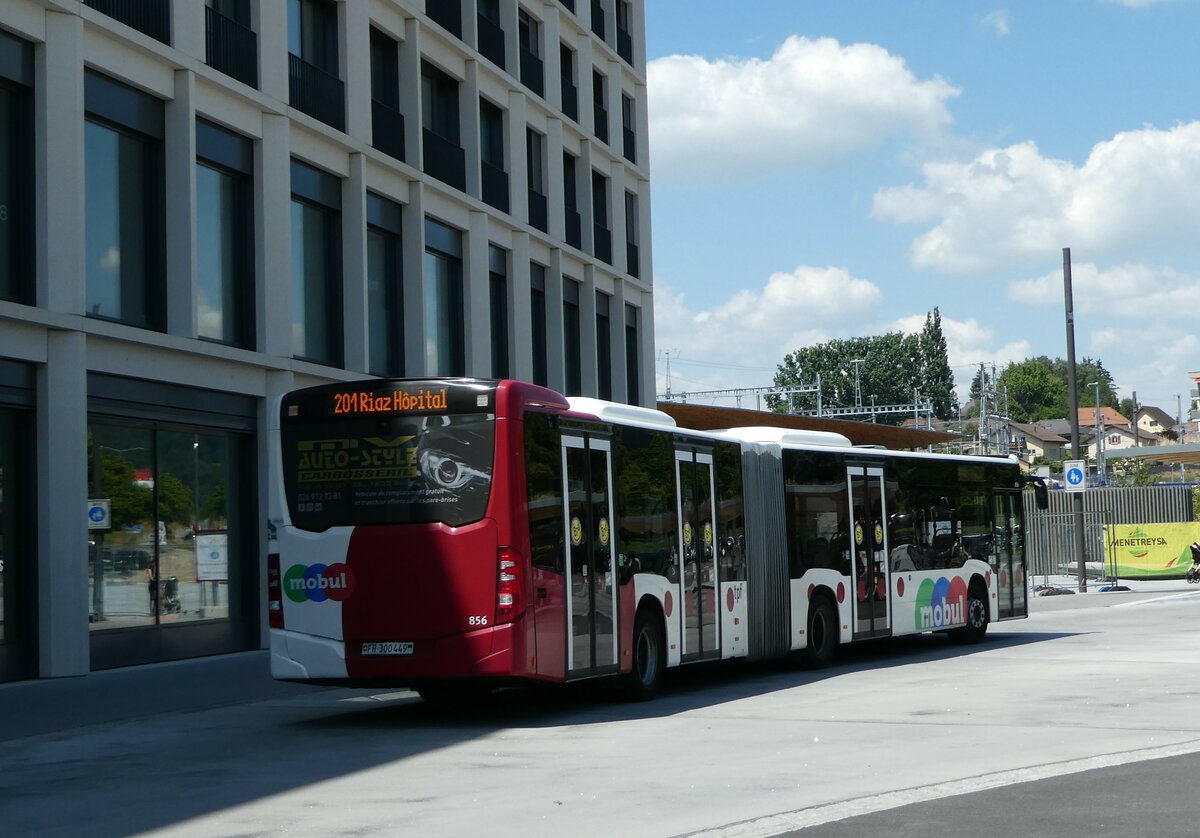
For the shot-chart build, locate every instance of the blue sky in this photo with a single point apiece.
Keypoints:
(829, 168)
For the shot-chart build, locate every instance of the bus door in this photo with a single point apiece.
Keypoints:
(1008, 562)
(587, 511)
(697, 490)
(871, 582)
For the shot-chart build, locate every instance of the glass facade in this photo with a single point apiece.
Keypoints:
(316, 265)
(445, 350)
(16, 166)
(537, 320)
(123, 204)
(572, 355)
(224, 235)
(498, 297)
(166, 556)
(385, 289)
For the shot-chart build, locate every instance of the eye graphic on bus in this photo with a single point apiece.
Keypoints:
(446, 473)
(448, 452)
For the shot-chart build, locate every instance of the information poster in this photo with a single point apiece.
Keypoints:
(212, 556)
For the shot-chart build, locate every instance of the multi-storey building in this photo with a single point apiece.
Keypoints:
(205, 204)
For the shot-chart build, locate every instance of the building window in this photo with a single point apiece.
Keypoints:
(444, 158)
(529, 35)
(632, 257)
(537, 312)
(387, 123)
(600, 105)
(151, 17)
(598, 19)
(316, 265)
(16, 167)
(603, 346)
(628, 130)
(314, 85)
(570, 87)
(498, 280)
(230, 45)
(446, 14)
(123, 203)
(574, 222)
(224, 235)
(490, 33)
(491, 151)
(632, 367)
(535, 167)
(572, 356)
(601, 227)
(445, 349)
(624, 30)
(18, 558)
(385, 288)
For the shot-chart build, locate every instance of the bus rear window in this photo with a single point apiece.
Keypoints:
(363, 467)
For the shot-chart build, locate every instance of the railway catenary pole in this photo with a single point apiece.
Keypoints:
(1073, 391)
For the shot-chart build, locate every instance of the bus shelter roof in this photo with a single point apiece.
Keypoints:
(1186, 454)
(711, 418)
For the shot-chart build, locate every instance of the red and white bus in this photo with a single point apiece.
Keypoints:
(459, 534)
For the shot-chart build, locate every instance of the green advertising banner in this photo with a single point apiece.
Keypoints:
(1149, 551)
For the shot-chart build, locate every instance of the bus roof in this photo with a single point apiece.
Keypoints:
(625, 414)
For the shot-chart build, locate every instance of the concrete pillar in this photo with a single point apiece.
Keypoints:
(180, 157)
(414, 281)
(410, 94)
(520, 311)
(468, 135)
(518, 162)
(272, 28)
(62, 606)
(187, 28)
(477, 304)
(272, 222)
(355, 59)
(355, 330)
(61, 276)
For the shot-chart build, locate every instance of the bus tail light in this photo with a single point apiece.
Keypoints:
(274, 592)
(508, 588)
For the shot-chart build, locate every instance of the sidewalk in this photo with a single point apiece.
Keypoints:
(48, 705)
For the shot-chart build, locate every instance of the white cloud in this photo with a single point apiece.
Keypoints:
(813, 102)
(111, 260)
(1136, 193)
(1137, 295)
(755, 328)
(997, 21)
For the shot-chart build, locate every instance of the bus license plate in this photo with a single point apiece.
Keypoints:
(387, 649)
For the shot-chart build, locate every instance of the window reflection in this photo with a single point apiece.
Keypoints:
(219, 221)
(312, 227)
(165, 555)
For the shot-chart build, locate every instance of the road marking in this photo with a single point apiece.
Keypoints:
(1166, 598)
(829, 813)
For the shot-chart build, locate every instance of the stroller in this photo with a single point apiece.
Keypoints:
(1193, 574)
(170, 596)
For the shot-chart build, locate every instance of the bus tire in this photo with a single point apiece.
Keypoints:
(977, 617)
(649, 657)
(822, 634)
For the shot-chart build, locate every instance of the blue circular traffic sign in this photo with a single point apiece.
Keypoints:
(1075, 476)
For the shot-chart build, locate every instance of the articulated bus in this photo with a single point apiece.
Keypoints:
(455, 535)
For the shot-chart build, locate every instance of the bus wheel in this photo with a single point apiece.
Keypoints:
(822, 634)
(649, 658)
(977, 618)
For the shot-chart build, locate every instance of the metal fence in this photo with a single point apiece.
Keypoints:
(1051, 534)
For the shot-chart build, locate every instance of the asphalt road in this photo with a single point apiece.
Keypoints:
(1078, 721)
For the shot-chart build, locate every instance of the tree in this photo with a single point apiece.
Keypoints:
(1034, 391)
(937, 380)
(894, 365)
(1087, 372)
